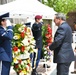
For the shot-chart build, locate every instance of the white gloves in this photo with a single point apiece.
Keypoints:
(8, 23)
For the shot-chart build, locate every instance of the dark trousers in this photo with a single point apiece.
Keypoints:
(63, 68)
(5, 68)
(33, 56)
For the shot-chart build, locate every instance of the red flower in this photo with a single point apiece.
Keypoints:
(25, 29)
(19, 61)
(48, 35)
(19, 71)
(28, 64)
(49, 44)
(22, 48)
(16, 66)
(22, 34)
(49, 40)
(26, 69)
(49, 30)
(15, 48)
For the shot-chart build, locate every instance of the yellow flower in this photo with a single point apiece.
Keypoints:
(16, 36)
(21, 29)
(28, 60)
(24, 71)
(19, 44)
(15, 60)
(28, 30)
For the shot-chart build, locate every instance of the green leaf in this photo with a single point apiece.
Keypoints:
(63, 6)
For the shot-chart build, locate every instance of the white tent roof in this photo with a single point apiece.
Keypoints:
(27, 8)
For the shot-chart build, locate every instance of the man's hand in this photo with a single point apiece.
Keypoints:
(47, 48)
(36, 48)
(75, 50)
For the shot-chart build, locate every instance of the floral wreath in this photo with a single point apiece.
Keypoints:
(23, 44)
(47, 40)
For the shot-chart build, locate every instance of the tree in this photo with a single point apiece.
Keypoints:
(63, 6)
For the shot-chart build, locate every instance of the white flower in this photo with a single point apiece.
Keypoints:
(25, 62)
(18, 50)
(13, 55)
(32, 46)
(23, 26)
(21, 29)
(22, 62)
(27, 48)
(25, 42)
(47, 56)
(15, 37)
(21, 73)
(35, 50)
(27, 67)
(26, 54)
(44, 56)
(33, 42)
(45, 52)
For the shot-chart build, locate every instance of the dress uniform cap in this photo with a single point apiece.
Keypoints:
(38, 17)
(28, 24)
(4, 16)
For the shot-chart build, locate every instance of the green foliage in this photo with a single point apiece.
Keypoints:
(63, 6)
(17, 26)
(44, 30)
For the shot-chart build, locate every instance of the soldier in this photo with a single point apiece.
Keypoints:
(6, 35)
(37, 33)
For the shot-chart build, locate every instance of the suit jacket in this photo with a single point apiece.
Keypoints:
(5, 44)
(63, 52)
(37, 33)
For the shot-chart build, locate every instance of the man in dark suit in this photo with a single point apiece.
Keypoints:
(6, 36)
(37, 33)
(63, 53)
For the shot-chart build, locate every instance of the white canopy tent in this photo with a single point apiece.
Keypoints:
(27, 8)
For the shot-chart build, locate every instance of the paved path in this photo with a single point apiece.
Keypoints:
(50, 71)
(71, 69)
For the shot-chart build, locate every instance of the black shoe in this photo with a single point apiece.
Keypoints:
(38, 74)
(73, 72)
(45, 65)
(34, 72)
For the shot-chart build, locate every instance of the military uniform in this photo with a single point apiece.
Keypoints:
(6, 36)
(37, 33)
(36, 29)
